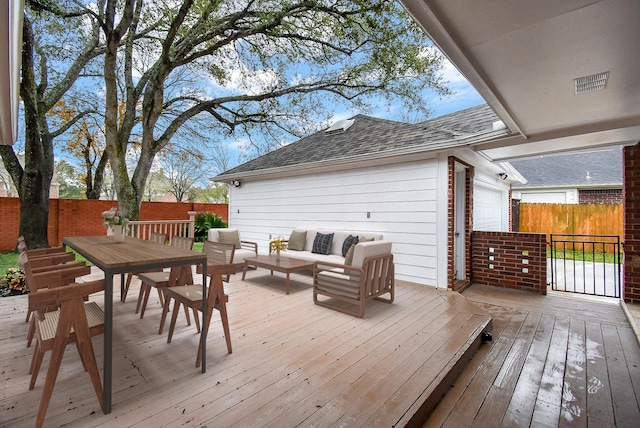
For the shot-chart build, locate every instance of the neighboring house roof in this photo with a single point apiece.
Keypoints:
(601, 168)
(369, 136)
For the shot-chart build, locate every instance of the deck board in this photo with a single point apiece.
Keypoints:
(573, 363)
(555, 360)
(293, 362)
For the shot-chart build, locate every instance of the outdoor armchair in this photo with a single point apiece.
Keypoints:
(346, 288)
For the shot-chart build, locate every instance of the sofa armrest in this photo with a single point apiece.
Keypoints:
(248, 245)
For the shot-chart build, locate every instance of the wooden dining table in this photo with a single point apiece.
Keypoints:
(132, 255)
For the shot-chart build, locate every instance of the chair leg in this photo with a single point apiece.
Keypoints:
(174, 318)
(196, 317)
(31, 332)
(165, 310)
(28, 316)
(205, 331)
(160, 296)
(88, 356)
(186, 314)
(143, 287)
(62, 332)
(147, 291)
(126, 287)
(36, 362)
(222, 307)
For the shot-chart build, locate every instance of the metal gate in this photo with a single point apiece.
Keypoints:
(586, 264)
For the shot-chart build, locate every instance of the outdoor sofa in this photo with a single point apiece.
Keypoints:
(350, 268)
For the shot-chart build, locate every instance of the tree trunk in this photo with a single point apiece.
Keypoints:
(34, 179)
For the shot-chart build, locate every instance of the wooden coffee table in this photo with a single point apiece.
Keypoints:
(284, 265)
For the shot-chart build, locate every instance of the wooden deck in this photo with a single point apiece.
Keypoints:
(293, 363)
(556, 360)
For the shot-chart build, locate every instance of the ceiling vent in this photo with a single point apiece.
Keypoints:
(340, 126)
(595, 82)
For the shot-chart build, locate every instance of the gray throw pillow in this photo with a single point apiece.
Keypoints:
(229, 237)
(348, 242)
(297, 240)
(322, 243)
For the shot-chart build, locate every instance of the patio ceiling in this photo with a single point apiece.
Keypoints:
(523, 56)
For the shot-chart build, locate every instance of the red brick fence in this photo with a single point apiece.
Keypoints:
(82, 217)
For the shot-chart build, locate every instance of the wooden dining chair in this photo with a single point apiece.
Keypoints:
(158, 280)
(63, 272)
(190, 296)
(218, 254)
(45, 322)
(75, 323)
(158, 238)
(45, 257)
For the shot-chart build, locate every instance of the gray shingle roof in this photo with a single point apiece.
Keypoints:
(603, 166)
(370, 135)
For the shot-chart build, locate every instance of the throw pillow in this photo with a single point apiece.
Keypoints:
(322, 243)
(229, 237)
(348, 242)
(348, 258)
(297, 240)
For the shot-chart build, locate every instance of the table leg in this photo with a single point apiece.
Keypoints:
(205, 321)
(121, 287)
(244, 270)
(108, 341)
(287, 286)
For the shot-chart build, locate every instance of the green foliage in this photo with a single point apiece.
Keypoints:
(206, 221)
(8, 260)
(12, 282)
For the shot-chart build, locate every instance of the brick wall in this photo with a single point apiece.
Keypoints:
(600, 196)
(82, 217)
(510, 250)
(631, 169)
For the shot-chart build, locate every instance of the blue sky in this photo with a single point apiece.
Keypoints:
(463, 96)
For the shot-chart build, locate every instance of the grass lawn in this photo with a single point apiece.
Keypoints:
(587, 256)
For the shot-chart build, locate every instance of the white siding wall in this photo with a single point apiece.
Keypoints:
(548, 196)
(490, 203)
(397, 200)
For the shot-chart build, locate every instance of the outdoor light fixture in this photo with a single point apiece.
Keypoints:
(502, 175)
(236, 183)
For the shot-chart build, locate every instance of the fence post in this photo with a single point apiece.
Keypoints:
(192, 224)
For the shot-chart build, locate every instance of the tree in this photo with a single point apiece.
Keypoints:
(70, 186)
(183, 168)
(215, 193)
(157, 185)
(275, 65)
(56, 52)
(85, 142)
(262, 70)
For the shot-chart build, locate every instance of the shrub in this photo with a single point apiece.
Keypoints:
(13, 282)
(206, 221)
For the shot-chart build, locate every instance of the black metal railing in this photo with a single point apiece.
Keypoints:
(586, 264)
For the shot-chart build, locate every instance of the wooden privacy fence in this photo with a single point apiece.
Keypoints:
(572, 219)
